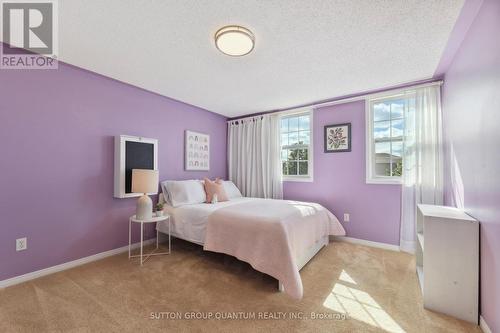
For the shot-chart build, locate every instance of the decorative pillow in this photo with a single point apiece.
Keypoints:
(231, 190)
(183, 192)
(215, 187)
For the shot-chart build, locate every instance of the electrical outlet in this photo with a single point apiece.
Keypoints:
(21, 244)
(346, 217)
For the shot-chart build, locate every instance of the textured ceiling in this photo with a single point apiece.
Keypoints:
(305, 50)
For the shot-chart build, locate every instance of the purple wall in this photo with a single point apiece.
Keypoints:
(340, 182)
(56, 160)
(471, 104)
(462, 25)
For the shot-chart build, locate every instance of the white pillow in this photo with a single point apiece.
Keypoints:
(183, 192)
(164, 190)
(231, 189)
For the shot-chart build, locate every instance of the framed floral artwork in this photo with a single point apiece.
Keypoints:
(338, 138)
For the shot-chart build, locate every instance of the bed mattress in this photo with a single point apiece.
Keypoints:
(189, 222)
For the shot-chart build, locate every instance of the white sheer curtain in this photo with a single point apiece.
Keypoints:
(422, 160)
(254, 156)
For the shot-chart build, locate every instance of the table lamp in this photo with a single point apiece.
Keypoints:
(144, 181)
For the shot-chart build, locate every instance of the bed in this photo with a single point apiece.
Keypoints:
(276, 237)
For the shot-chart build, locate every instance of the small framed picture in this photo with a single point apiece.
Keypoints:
(197, 151)
(338, 138)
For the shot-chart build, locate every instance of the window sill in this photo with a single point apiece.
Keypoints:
(307, 179)
(384, 181)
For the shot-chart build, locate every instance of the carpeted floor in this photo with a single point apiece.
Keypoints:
(376, 288)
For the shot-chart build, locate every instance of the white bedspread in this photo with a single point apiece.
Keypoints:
(189, 222)
(269, 234)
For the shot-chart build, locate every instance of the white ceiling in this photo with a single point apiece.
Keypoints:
(305, 50)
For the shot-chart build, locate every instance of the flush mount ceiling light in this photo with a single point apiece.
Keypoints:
(234, 40)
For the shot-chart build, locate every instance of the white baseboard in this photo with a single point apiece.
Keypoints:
(384, 246)
(67, 265)
(407, 246)
(484, 326)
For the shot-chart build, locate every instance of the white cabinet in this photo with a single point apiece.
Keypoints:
(447, 257)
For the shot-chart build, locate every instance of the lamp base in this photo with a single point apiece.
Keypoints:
(144, 208)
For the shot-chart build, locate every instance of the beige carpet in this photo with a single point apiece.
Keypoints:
(376, 288)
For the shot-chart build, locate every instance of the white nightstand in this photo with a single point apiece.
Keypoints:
(142, 222)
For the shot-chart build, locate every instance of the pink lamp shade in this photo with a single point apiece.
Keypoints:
(144, 181)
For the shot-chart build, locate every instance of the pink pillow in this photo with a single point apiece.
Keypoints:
(215, 187)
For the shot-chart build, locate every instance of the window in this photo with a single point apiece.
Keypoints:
(385, 128)
(296, 146)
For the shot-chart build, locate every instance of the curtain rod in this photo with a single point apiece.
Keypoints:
(254, 117)
(343, 100)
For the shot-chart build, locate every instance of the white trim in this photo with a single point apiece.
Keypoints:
(310, 159)
(483, 325)
(382, 180)
(369, 146)
(67, 265)
(407, 246)
(370, 177)
(359, 241)
(300, 179)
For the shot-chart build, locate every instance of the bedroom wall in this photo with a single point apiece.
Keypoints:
(56, 160)
(471, 107)
(339, 181)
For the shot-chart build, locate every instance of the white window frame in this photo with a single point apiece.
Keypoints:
(371, 177)
(310, 150)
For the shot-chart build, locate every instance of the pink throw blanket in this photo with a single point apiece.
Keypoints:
(270, 235)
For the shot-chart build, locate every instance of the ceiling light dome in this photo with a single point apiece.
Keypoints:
(234, 40)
